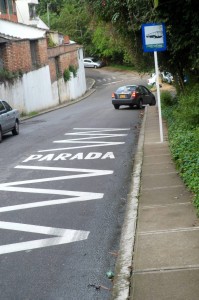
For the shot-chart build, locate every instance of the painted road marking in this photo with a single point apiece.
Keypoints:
(60, 235)
(76, 196)
(70, 156)
(96, 144)
(92, 134)
(63, 236)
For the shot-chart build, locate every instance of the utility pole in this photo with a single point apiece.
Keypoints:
(48, 16)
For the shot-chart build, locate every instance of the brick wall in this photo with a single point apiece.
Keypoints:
(42, 54)
(10, 17)
(52, 67)
(17, 56)
(63, 56)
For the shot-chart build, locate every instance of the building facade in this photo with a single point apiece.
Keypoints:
(25, 50)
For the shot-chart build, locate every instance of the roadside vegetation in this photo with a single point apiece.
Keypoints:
(111, 30)
(182, 115)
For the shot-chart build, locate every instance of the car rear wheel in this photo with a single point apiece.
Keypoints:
(140, 104)
(116, 106)
(1, 135)
(15, 130)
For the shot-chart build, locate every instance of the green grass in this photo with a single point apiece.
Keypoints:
(31, 114)
(122, 67)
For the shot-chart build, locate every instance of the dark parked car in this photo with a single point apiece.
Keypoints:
(132, 95)
(9, 119)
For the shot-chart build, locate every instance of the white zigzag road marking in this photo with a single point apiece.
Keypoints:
(63, 236)
(101, 144)
(100, 129)
(95, 133)
(52, 202)
(77, 196)
(90, 173)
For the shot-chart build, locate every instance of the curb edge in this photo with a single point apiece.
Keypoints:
(123, 266)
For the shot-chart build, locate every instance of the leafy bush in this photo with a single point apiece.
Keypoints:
(166, 98)
(8, 76)
(187, 112)
(183, 131)
(73, 70)
(67, 75)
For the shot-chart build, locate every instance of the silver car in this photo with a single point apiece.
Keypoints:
(91, 62)
(9, 119)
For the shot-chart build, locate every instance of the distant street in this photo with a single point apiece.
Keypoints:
(63, 188)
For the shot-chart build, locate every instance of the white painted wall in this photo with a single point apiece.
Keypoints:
(30, 93)
(23, 14)
(37, 90)
(34, 92)
(23, 11)
(75, 87)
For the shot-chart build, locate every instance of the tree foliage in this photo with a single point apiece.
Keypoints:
(181, 20)
(112, 28)
(54, 6)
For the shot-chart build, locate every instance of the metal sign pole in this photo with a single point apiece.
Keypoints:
(158, 95)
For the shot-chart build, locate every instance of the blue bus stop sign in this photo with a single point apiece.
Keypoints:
(154, 37)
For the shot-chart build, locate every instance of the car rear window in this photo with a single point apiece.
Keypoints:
(127, 88)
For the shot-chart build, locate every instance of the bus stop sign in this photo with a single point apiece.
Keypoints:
(153, 37)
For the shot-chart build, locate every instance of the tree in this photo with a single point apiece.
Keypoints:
(55, 6)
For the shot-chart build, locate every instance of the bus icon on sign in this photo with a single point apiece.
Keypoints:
(155, 35)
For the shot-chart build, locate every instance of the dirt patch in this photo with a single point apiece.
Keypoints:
(165, 87)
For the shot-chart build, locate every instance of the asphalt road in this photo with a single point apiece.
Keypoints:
(63, 188)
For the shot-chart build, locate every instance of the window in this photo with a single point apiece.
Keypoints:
(32, 11)
(1, 57)
(14, 7)
(145, 91)
(57, 66)
(33, 49)
(7, 6)
(7, 106)
(10, 7)
(3, 6)
(2, 108)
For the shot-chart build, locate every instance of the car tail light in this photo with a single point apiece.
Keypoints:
(113, 95)
(133, 94)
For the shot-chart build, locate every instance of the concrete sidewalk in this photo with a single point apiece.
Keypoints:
(166, 251)
(159, 247)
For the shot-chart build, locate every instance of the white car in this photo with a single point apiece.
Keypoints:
(167, 77)
(91, 62)
(152, 80)
(9, 119)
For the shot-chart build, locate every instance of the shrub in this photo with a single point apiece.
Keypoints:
(183, 128)
(8, 76)
(166, 98)
(66, 75)
(187, 111)
(73, 70)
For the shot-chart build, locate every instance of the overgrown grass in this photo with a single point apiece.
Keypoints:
(182, 115)
(122, 67)
(31, 114)
(7, 76)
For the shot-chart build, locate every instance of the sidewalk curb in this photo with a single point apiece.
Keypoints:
(123, 267)
(90, 90)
